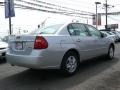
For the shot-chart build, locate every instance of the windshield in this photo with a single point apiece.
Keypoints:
(47, 30)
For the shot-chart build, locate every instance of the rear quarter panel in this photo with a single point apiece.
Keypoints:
(58, 45)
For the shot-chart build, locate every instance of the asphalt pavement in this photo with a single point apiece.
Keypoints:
(97, 74)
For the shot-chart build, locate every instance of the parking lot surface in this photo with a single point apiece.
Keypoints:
(98, 74)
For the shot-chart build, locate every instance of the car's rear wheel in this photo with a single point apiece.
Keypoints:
(70, 63)
(110, 54)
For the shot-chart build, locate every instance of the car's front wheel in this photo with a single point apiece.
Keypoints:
(70, 63)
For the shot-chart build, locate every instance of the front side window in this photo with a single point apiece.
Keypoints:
(93, 31)
(77, 29)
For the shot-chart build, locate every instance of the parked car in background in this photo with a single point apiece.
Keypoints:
(61, 46)
(6, 38)
(111, 36)
(3, 48)
(111, 32)
(117, 34)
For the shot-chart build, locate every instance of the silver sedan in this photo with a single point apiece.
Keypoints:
(61, 46)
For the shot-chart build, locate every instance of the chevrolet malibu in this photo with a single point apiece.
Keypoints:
(60, 46)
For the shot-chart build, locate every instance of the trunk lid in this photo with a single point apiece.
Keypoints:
(21, 44)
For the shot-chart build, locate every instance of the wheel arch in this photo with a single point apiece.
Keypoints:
(71, 50)
(112, 44)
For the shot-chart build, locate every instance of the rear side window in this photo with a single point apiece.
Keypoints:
(48, 30)
(77, 29)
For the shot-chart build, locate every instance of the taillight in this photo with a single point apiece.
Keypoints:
(40, 43)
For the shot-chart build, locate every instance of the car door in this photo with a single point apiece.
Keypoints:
(100, 43)
(82, 39)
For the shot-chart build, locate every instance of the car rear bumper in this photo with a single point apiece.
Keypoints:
(29, 61)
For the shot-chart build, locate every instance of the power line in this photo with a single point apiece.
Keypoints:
(111, 13)
(48, 7)
(73, 3)
(48, 11)
(38, 1)
(51, 9)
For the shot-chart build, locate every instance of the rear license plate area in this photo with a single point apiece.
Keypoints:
(19, 46)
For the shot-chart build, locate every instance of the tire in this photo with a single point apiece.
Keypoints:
(70, 63)
(111, 51)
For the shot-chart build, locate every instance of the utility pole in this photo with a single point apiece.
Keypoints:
(96, 15)
(106, 12)
(96, 3)
(106, 9)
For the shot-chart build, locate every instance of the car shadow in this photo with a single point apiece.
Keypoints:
(53, 79)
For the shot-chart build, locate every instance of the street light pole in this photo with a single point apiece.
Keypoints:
(97, 14)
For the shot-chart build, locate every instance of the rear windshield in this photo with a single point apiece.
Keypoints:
(47, 30)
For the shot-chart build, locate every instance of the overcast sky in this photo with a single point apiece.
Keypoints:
(28, 19)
